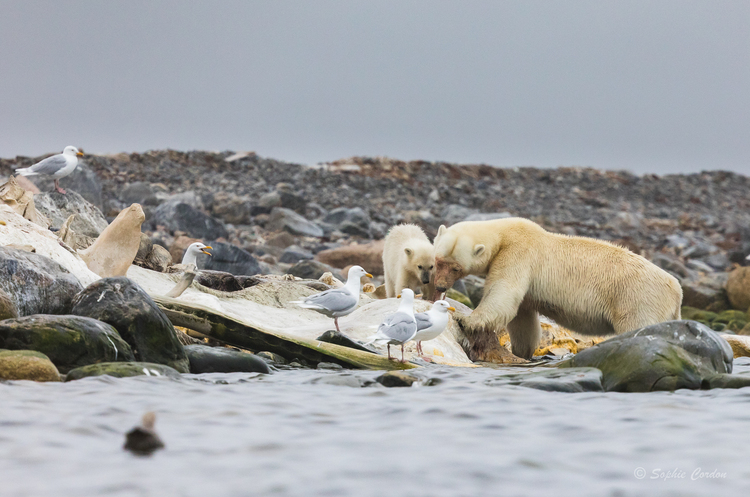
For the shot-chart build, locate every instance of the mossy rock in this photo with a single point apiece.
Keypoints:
(459, 297)
(122, 370)
(8, 308)
(68, 341)
(27, 365)
(735, 325)
(729, 316)
(693, 314)
(717, 326)
(123, 304)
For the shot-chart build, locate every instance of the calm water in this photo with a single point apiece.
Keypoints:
(290, 434)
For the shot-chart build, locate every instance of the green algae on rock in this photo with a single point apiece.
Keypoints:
(27, 365)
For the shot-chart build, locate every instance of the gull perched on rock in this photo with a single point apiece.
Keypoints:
(56, 167)
(337, 302)
(432, 323)
(398, 328)
(193, 251)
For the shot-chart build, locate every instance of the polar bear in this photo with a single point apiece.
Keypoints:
(408, 261)
(586, 285)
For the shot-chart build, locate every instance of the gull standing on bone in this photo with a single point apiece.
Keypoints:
(432, 323)
(193, 251)
(398, 328)
(337, 302)
(56, 167)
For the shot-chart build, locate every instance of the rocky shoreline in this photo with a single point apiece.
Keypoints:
(266, 217)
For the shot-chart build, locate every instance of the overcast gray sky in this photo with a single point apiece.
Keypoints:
(651, 86)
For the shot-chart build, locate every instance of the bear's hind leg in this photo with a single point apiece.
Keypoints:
(525, 332)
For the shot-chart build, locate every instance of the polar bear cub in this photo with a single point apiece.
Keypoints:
(408, 261)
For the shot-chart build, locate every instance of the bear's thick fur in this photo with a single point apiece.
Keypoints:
(408, 261)
(586, 285)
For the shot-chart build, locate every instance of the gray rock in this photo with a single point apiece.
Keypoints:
(288, 220)
(355, 222)
(665, 356)
(706, 293)
(179, 216)
(340, 380)
(294, 254)
(122, 370)
(36, 284)
(123, 304)
(455, 213)
(205, 359)
(89, 220)
(555, 380)
(229, 258)
(330, 365)
(313, 270)
(474, 286)
(718, 261)
(68, 341)
(698, 265)
(271, 357)
(138, 192)
(487, 216)
(726, 381)
(337, 338)
(672, 265)
(82, 181)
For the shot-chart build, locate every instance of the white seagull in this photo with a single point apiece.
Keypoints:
(193, 251)
(56, 167)
(398, 328)
(337, 302)
(432, 323)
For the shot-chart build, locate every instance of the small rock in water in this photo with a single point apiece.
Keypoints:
(337, 338)
(329, 365)
(396, 379)
(143, 440)
(271, 357)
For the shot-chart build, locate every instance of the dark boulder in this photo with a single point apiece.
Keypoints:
(225, 282)
(205, 359)
(68, 341)
(230, 259)
(123, 304)
(337, 338)
(354, 221)
(282, 219)
(176, 215)
(122, 370)
(294, 254)
(88, 221)
(665, 356)
(36, 284)
(313, 270)
(396, 379)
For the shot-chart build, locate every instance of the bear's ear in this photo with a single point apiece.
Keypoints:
(441, 230)
(478, 250)
(408, 251)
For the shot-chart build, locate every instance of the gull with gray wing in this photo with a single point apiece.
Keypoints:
(56, 167)
(432, 323)
(398, 328)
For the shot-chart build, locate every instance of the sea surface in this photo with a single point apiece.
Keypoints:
(294, 433)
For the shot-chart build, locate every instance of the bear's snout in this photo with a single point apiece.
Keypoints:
(425, 276)
(441, 289)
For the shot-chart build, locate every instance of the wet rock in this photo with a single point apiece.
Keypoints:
(355, 222)
(665, 356)
(329, 365)
(123, 304)
(738, 288)
(368, 255)
(27, 365)
(396, 379)
(294, 254)
(122, 370)
(205, 359)
(313, 270)
(230, 259)
(474, 288)
(57, 207)
(282, 219)
(571, 380)
(7, 307)
(337, 338)
(36, 284)
(176, 215)
(68, 341)
(726, 381)
(339, 380)
(271, 357)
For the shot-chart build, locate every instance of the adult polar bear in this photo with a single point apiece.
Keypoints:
(587, 285)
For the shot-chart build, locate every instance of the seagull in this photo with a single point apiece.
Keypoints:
(398, 328)
(192, 252)
(432, 323)
(143, 440)
(56, 167)
(337, 302)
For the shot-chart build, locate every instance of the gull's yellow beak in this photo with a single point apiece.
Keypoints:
(79, 154)
(398, 296)
(418, 296)
(204, 249)
(368, 275)
(452, 309)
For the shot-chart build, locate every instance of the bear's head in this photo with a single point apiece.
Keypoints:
(456, 255)
(421, 262)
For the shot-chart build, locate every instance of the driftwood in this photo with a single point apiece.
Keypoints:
(234, 332)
